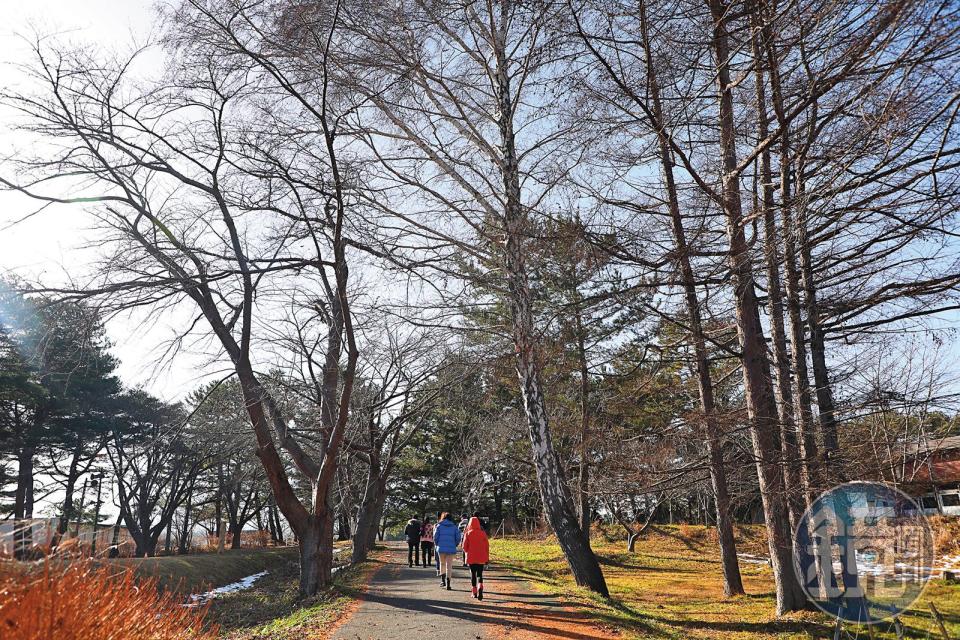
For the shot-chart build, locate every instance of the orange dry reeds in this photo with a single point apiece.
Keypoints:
(79, 600)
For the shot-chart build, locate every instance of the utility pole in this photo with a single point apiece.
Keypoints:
(98, 478)
(83, 497)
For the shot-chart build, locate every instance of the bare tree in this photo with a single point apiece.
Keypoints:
(649, 103)
(220, 425)
(199, 219)
(402, 378)
(461, 92)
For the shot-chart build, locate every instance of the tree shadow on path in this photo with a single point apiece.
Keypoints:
(405, 600)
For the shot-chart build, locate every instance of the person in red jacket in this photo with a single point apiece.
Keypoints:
(476, 546)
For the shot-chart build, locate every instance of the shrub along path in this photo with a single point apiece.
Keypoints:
(403, 603)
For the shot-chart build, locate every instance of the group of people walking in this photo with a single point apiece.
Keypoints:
(429, 544)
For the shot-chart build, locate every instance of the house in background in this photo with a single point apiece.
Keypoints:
(932, 475)
(42, 532)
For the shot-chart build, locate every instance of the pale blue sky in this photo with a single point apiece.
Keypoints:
(46, 245)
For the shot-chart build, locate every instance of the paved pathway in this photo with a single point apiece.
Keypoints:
(405, 603)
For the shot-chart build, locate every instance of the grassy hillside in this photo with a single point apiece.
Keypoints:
(198, 572)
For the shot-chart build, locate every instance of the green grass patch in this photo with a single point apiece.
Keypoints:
(672, 588)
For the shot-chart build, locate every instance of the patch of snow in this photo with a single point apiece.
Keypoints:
(241, 585)
(867, 565)
(233, 587)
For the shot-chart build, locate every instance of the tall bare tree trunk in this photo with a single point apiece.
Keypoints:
(275, 514)
(761, 405)
(732, 581)
(821, 377)
(168, 538)
(364, 537)
(302, 522)
(583, 473)
(803, 411)
(553, 486)
(554, 492)
(771, 253)
(184, 545)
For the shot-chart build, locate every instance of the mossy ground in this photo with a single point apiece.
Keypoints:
(671, 588)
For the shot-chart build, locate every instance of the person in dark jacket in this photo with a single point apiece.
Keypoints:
(436, 554)
(463, 529)
(483, 523)
(446, 538)
(412, 534)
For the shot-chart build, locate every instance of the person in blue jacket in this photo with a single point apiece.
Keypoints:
(446, 539)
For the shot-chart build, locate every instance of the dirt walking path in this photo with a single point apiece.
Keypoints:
(403, 603)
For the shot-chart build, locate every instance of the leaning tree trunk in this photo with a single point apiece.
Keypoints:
(761, 406)
(732, 580)
(554, 492)
(306, 526)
